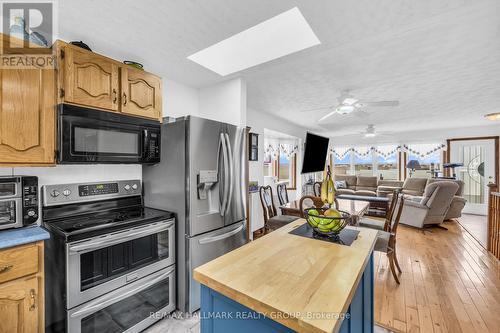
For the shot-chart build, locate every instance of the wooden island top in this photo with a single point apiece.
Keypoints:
(292, 279)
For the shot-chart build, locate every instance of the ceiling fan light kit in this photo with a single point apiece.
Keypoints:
(493, 116)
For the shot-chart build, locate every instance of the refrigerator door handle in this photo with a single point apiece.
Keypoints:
(225, 163)
(212, 239)
(231, 173)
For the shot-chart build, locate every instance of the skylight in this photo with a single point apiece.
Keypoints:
(276, 37)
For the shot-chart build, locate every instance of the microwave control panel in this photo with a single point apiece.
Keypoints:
(30, 199)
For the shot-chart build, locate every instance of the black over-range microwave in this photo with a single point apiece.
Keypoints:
(87, 136)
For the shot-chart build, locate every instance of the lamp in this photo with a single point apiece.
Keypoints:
(413, 165)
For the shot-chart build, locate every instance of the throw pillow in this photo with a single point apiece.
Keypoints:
(340, 184)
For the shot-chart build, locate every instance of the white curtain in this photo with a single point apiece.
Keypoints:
(340, 152)
(424, 150)
(386, 151)
(363, 151)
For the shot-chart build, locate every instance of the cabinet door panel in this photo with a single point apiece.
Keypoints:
(19, 306)
(90, 80)
(141, 93)
(27, 123)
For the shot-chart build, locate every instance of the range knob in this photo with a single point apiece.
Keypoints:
(31, 213)
(134, 186)
(127, 187)
(66, 192)
(54, 193)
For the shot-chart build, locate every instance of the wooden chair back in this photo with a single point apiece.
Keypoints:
(391, 210)
(316, 201)
(396, 215)
(267, 202)
(317, 188)
(282, 194)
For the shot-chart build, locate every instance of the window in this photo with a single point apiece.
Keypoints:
(342, 166)
(287, 166)
(363, 166)
(387, 162)
(428, 156)
(388, 168)
(428, 164)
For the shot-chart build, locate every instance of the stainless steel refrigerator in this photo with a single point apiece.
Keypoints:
(201, 177)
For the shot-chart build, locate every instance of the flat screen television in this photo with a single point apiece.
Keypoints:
(315, 153)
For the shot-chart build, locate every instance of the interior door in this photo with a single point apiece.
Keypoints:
(236, 210)
(205, 151)
(478, 157)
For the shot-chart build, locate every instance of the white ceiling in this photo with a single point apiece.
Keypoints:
(439, 58)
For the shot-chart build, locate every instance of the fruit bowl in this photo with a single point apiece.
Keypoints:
(327, 225)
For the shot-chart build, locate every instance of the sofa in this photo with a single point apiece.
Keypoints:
(413, 188)
(430, 208)
(357, 185)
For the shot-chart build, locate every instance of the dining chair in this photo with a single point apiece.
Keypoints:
(272, 220)
(386, 240)
(378, 224)
(314, 201)
(317, 188)
(282, 194)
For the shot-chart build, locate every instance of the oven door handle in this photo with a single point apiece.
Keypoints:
(118, 238)
(113, 297)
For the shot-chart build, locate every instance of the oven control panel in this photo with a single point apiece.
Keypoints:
(73, 193)
(30, 199)
(97, 189)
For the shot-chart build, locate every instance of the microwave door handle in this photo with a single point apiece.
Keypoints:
(114, 239)
(99, 304)
(231, 173)
(144, 142)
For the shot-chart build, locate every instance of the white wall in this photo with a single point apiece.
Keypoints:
(224, 102)
(179, 100)
(258, 121)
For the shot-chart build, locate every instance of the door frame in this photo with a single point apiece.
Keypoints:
(497, 151)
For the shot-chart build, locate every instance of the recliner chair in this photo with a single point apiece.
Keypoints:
(432, 207)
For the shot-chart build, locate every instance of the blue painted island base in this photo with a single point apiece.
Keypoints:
(219, 314)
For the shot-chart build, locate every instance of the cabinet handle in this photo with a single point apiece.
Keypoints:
(124, 99)
(5, 269)
(32, 299)
(115, 96)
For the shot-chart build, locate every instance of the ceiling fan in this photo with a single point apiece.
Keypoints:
(370, 132)
(348, 103)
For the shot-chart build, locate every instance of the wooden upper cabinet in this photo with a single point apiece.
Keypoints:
(141, 93)
(27, 116)
(19, 306)
(88, 79)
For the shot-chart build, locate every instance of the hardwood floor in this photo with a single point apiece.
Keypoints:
(450, 283)
(477, 226)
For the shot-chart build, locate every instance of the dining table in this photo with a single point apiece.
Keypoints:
(355, 208)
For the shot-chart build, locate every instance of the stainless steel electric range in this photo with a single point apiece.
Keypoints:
(110, 262)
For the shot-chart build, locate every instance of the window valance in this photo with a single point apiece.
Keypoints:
(424, 150)
(387, 151)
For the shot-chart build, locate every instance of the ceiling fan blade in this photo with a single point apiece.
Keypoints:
(360, 113)
(380, 103)
(318, 109)
(328, 115)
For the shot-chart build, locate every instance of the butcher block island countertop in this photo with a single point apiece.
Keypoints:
(282, 274)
